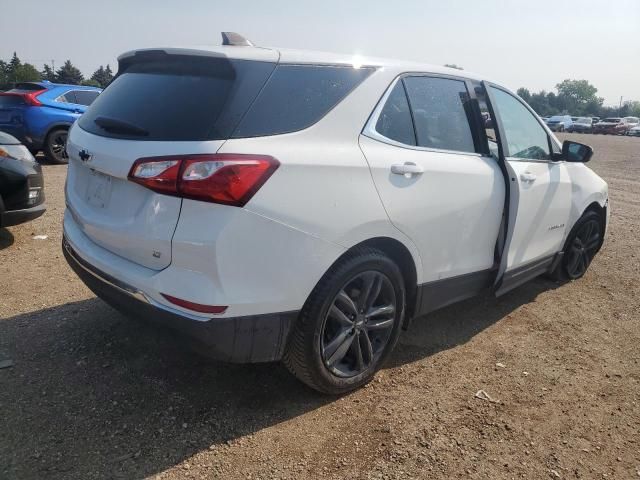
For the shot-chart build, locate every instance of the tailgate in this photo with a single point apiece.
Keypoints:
(121, 216)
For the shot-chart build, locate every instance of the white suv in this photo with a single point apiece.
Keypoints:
(298, 206)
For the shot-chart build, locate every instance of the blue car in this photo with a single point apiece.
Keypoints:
(39, 114)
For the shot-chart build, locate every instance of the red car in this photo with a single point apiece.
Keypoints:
(611, 126)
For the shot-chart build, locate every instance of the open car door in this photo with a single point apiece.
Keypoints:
(538, 191)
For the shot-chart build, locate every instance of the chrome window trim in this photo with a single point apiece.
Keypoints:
(370, 127)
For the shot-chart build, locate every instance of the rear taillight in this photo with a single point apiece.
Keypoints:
(227, 178)
(29, 98)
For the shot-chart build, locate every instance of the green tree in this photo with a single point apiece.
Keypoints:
(14, 63)
(4, 78)
(69, 74)
(91, 83)
(102, 76)
(26, 73)
(634, 108)
(578, 96)
(540, 103)
(524, 94)
(48, 73)
(453, 65)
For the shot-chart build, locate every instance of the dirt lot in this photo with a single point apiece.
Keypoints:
(92, 394)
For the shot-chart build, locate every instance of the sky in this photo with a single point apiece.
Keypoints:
(517, 43)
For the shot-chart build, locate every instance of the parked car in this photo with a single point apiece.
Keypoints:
(581, 125)
(295, 206)
(559, 123)
(21, 183)
(595, 119)
(631, 122)
(39, 114)
(634, 131)
(611, 126)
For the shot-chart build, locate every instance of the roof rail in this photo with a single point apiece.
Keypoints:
(235, 39)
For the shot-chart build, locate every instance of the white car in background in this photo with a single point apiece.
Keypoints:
(304, 207)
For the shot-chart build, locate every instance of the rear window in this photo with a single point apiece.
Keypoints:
(10, 101)
(297, 96)
(176, 98)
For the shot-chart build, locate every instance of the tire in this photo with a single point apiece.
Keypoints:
(55, 146)
(334, 347)
(582, 244)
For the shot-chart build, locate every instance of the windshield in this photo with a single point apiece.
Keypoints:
(583, 120)
(612, 120)
(556, 118)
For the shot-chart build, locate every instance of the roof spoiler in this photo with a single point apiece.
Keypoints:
(235, 40)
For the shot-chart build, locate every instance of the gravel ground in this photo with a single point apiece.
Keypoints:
(92, 394)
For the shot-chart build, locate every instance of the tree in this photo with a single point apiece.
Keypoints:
(26, 73)
(453, 65)
(69, 74)
(91, 83)
(577, 95)
(102, 76)
(48, 74)
(4, 77)
(524, 94)
(540, 103)
(14, 63)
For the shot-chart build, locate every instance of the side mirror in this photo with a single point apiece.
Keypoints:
(576, 152)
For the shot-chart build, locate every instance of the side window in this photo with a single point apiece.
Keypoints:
(86, 97)
(394, 121)
(69, 97)
(297, 96)
(439, 107)
(525, 137)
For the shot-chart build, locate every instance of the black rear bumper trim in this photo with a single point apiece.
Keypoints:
(16, 217)
(247, 339)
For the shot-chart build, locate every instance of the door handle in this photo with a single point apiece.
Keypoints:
(528, 177)
(407, 169)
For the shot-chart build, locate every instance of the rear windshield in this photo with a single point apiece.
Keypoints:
(201, 98)
(612, 120)
(173, 97)
(10, 101)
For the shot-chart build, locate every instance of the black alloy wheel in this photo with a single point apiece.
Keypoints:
(358, 325)
(56, 146)
(349, 324)
(583, 247)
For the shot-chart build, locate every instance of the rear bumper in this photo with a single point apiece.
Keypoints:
(15, 217)
(248, 339)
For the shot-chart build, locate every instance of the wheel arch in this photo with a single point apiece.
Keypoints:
(401, 255)
(56, 125)
(601, 210)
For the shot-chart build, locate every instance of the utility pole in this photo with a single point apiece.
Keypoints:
(53, 65)
(620, 107)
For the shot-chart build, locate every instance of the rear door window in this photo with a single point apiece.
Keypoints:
(69, 97)
(176, 97)
(297, 96)
(395, 121)
(440, 113)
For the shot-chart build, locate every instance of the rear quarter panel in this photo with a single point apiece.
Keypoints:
(323, 186)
